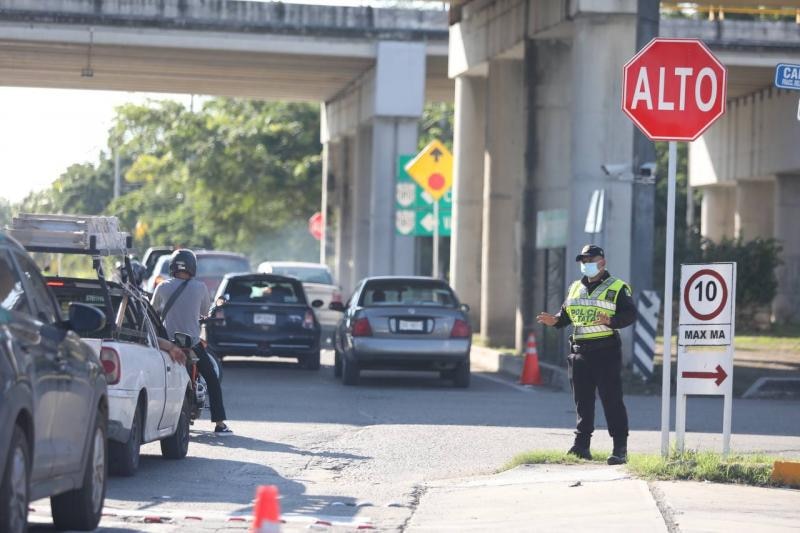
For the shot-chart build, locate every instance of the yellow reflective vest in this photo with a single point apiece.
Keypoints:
(583, 308)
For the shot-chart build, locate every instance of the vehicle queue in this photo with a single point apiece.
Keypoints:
(112, 352)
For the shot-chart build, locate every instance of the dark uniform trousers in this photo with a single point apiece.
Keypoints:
(596, 366)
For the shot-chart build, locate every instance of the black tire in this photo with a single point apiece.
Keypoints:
(461, 375)
(81, 508)
(350, 371)
(311, 361)
(176, 446)
(337, 364)
(123, 457)
(216, 362)
(15, 486)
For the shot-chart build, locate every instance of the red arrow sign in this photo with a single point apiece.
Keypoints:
(720, 375)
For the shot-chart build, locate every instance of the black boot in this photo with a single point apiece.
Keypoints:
(620, 454)
(580, 448)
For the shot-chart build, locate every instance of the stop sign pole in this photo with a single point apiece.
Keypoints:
(673, 90)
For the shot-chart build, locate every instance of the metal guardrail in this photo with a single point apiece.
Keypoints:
(717, 12)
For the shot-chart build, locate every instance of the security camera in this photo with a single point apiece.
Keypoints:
(615, 169)
(648, 170)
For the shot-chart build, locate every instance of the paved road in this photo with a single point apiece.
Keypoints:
(358, 455)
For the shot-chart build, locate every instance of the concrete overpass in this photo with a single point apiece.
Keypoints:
(372, 69)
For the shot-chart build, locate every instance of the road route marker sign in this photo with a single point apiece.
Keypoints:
(705, 340)
(673, 90)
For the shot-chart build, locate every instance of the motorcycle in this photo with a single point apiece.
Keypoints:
(199, 399)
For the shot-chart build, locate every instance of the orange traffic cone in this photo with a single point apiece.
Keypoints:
(266, 513)
(530, 369)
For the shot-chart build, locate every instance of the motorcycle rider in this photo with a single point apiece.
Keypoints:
(181, 301)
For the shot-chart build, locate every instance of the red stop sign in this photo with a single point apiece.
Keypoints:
(315, 225)
(674, 89)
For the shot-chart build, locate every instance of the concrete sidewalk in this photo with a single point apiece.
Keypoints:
(599, 498)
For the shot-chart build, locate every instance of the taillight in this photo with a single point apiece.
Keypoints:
(361, 328)
(109, 358)
(336, 297)
(461, 330)
(308, 321)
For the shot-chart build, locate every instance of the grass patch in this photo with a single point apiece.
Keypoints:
(746, 469)
(551, 457)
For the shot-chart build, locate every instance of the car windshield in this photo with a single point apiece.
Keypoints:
(219, 265)
(306, 274)
(264, 291)
(407, 292)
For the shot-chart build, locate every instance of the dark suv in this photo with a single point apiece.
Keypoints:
(53, 402)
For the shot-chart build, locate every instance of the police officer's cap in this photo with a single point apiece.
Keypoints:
(590, 250)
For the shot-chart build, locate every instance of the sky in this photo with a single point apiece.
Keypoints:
(43, 131)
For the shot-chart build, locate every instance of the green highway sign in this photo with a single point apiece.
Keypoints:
(419, 223)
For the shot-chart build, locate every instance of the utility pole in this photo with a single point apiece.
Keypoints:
(117, 177)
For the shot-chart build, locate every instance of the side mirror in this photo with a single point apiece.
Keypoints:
(464, 308)
(183, 340)
(336, 306)
(85, 319)
(317, 303)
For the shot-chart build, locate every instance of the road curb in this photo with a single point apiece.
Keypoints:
(488, 359)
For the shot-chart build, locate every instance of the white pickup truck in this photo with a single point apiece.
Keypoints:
(148, 393)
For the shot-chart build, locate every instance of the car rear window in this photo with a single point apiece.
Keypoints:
(219, 265)
(305, 274)
(407, 292)
(264, 291)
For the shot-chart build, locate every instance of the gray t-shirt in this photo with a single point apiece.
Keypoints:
(185, 313)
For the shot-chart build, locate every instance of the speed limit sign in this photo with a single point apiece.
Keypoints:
(706, 311)
(705, 340)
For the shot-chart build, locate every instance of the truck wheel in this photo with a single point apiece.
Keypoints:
(15, 485)
(123, 457)
(81, 508)
(350, 371)
(176, 446)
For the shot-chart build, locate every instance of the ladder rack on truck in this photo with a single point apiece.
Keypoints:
(70, 234)
(97, 236)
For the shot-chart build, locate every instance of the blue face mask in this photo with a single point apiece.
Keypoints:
(590, 270)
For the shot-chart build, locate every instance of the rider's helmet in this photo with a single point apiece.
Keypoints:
(183, 260)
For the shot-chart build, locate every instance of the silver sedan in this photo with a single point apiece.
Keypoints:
(403, 323)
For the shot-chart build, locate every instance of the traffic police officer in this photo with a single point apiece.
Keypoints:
(597, 305)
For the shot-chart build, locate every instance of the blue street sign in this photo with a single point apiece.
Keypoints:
(787, 76)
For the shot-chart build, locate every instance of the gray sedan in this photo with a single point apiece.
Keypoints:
(403, 323)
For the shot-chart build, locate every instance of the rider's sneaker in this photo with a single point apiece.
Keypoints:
(223, 431)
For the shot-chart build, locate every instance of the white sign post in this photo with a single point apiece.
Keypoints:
(705, 341)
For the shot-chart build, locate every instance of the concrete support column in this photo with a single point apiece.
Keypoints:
(390, 253)
(502, 202)
(753, 218)
(717, 212)
(340, 210)
(360, 195)
(601, 134)
(469, 145)
(786, 306)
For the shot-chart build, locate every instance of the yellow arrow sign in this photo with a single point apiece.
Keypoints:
(433, 169)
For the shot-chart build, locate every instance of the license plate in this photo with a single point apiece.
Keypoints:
(411, 325)
(266, 319)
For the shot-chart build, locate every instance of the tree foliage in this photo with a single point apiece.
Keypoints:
(237, 174)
